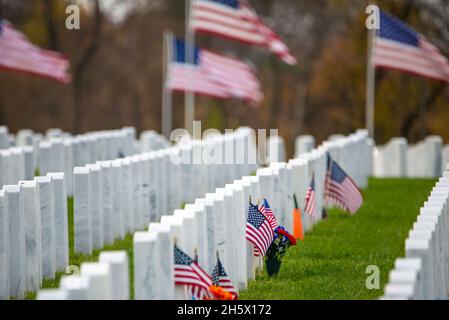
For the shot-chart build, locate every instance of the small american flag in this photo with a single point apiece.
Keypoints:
(268, 213)
(190, 274)
(17, 53)
(340, 189)
(221, 279)
(237, 20)
(397, 46)
(310, 208)
(212, 74)
(258, 230)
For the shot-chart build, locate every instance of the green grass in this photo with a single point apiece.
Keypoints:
(331, 262)
(76, 259)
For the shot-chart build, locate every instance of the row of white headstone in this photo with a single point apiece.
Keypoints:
(217, 223)
(107, 279)
(62, 153)
(115, 198)
(34, 241)
(424, 272)
(16, 164)
(397, 159)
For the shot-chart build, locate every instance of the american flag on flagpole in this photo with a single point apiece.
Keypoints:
(237, 20)
(212, 74)
(397, 46)
(221, 279)
(189, 273)
(258, 230)
(17, 53)
(311, 208)
(340, 189)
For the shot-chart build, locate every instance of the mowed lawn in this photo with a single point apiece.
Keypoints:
(331, 263)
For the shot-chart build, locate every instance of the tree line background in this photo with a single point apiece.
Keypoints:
(116, 65)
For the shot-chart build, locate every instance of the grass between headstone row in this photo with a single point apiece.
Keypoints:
(331, 263)
(75, 260)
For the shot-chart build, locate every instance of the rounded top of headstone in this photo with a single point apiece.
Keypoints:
(81, 170)
(28, 184)
(56, 175)
(11, 188)
(113, 256)
(144, 236)
(95, 269)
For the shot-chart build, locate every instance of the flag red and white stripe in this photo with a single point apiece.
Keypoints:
(311, 207)
(17, 53)
(237, 20)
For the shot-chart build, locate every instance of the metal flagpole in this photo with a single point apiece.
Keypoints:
(167, 100)
(370, 85)
(189, 107)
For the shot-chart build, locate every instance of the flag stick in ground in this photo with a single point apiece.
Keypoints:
(167, 94)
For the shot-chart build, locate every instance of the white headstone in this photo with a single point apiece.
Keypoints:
(17, 258)
(146, 266)
(82, 211)
(118, 225)
(76, 287)
(4, 248)
(61, 220)
(95, 181)
(107, 201)
(118, 262)
(48, 226)
(33, 239)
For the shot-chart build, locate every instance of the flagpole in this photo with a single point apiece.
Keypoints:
(370, 85)
(167, 95)
(189, 107)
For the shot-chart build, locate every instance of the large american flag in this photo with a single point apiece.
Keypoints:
(311, 208)
(340, 189)
(212, 74)
(268, 213)
(237, 20)
(190, 274)
(17, 53)
(258, 230)
(397, 46)
(221, 279)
